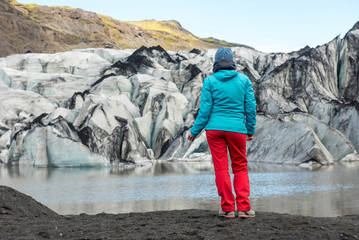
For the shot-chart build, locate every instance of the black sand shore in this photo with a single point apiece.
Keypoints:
(21, 217)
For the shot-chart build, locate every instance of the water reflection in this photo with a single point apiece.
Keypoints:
(328, 191)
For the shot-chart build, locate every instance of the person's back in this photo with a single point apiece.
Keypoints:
(228, 114)
(230, 92)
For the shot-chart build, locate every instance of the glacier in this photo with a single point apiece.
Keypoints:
(96, 107)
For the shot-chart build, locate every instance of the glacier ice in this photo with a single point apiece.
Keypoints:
(92, 107)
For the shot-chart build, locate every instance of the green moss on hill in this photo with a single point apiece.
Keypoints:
(64, 28)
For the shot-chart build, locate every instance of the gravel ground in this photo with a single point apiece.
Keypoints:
(21, 217)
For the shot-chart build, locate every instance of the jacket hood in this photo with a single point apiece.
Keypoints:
(226, 64)
(225, 75)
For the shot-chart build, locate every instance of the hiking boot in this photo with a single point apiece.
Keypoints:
(222, 213)
(246, 214)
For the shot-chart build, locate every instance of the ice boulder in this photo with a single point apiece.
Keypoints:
(277, 141)
(56, 144)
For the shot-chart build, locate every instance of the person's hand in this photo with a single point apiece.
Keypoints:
(190, 137)
(250, 137)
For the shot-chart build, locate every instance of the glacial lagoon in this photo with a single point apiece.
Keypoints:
(328, 191)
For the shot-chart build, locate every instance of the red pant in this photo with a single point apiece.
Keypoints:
(218, 142)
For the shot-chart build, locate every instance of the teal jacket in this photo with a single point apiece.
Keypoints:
(227, 104)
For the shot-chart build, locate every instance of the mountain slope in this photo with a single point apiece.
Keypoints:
(34, 28)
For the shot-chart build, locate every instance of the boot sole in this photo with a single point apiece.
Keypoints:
(245, 216)
(224, 216)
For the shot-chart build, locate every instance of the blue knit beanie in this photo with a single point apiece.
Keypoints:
(223, 53)
(223, 60)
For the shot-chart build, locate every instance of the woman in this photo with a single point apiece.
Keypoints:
(228, 114)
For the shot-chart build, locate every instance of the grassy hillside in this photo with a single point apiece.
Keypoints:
(35, 28)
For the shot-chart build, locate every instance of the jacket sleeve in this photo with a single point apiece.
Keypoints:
(205, 109)
(250, 108)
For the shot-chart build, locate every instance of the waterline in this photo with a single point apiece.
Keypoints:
(329, 191)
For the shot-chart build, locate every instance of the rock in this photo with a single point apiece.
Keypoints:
(19, 205)
(195, 51)
(122, 68)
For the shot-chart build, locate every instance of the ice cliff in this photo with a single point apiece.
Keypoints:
(96, 106)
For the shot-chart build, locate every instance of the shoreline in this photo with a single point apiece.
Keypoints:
(178, 224)
(21, 217)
